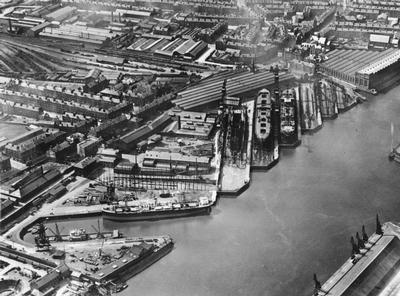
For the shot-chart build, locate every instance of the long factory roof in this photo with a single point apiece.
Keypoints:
(375, 272)
(361, 61)
(238, 82)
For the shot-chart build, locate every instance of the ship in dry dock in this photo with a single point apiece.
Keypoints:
(263, 115)
(265, 143)
(288, 115)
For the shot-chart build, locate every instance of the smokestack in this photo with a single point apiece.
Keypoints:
(253, 65)
(119, 16)
(112, 16)
(360, 242)
(317, 284)
(276, 74)
(9, 25)
(378, 226)
(355, 248)
(223, 90)
(364, 234)
(179, 122)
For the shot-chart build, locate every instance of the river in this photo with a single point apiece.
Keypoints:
(294, 220)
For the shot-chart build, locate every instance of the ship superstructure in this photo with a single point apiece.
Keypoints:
(288, 119)
(263, 115)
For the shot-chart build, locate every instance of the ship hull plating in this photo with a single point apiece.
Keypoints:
(156, 215)
(289, 137)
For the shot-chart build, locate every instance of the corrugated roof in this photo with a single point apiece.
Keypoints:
(135, 135)
(361, 61)
(238, 82)
(382, 63)
(379, 38)
(185, 47)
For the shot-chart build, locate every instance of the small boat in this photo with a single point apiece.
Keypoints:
(78, 235)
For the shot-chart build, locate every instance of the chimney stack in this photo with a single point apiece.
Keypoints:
(364, 234)
(378, 226)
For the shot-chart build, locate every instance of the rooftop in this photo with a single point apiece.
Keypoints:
(361, 61)
(175, 156)
(374, 273)
(85, 162)
(381, 64)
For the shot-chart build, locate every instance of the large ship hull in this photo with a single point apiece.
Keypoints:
(289, 137)
(147, 261)
(262, 126)
(155, 215)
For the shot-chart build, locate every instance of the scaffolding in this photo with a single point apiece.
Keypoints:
(131, 177)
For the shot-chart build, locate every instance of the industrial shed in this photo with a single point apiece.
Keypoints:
(362, 68)
(129, 141)
(208, 91)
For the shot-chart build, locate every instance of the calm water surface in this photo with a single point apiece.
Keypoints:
(294, 220)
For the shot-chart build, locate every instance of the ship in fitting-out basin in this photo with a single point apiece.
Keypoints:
(149, 212)
(288, 115)
(263, 115)
(265, 140)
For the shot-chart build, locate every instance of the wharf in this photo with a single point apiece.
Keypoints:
(296, 143)
(234, 180)
(90, 236)
(117, 258)
(375, 266)
(328, 101)
(309, 109)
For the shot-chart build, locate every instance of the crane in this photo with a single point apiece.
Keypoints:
(56, 233)
(98, 231)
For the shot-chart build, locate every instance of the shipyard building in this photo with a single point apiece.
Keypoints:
(374, 272)
(364, 69)
(238, 83)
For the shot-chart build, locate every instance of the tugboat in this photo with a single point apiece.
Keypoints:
(288, 115)
(263, 115)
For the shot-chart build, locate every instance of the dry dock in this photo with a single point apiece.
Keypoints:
(235, 179)
(309, 111)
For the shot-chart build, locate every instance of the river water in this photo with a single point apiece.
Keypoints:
(294, 220)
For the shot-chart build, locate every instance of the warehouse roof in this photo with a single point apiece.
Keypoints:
(361, 61)
(51, 276)
(136, 134)
(381, 64)
(59, 14)
(186, 47)
(128, 12)
(145, 130)
(84, 163)
(238, 82)
(379, 38)
(175, 156)
(195, 51)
